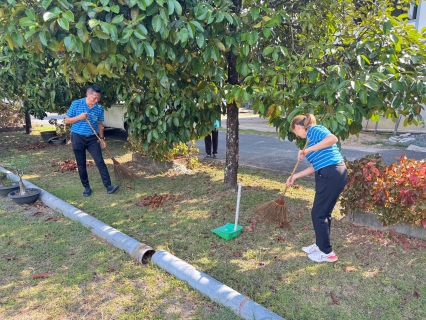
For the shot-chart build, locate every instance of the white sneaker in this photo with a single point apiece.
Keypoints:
(322, 257)
(311, 249)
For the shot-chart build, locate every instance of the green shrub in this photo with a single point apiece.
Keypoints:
(396, 192)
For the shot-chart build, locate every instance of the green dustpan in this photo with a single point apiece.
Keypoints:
(231, 230)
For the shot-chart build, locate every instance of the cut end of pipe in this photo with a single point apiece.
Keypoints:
(143, 253)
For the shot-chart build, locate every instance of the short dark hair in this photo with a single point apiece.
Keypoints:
(94, 88)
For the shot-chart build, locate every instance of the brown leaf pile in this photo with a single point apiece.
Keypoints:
(36, 146)
(70, 165)
(155, 201)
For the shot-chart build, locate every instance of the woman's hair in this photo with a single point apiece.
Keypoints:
(306, 121)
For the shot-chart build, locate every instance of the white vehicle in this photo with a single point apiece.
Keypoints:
(114, 117)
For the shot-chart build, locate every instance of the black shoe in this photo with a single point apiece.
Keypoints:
(215, 156)
(208, 156)
(87, 192)
(112, 189)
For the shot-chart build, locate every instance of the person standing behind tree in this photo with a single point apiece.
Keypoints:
(330, 179)
(83, 138)
(213, 137)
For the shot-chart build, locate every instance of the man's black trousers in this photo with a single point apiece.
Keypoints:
(90, 143)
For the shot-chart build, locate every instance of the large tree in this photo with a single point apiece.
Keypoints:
(178, 64)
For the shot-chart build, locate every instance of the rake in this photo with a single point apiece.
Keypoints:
(275, 210)
(120, 172)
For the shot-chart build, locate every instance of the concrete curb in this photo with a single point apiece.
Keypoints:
(370, 220)
(215, 290)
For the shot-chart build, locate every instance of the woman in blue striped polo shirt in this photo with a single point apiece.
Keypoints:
(330, 179)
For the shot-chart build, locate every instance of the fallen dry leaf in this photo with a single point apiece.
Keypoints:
(349, 269)
(280, 279)
(38, 213)
(236, 254)
(335, 301)
(41, 275)
(305, 228)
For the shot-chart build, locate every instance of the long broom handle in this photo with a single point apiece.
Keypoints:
(100, 140)
(238, 207)
(295, 167)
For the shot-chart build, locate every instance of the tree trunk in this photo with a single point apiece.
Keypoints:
(27, 122)
(232, 146)
(232, 139)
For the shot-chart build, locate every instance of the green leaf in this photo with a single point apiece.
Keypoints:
(373, 85)
(363, 96)
(149, 50)
(396, 103)
(176, 122)
(387, 26)
(93, 23)
(29, 33)
(178, 7)
(95, 45)
(378, 75)
(68, 15)
(268, 50)
(49, 16)
(334, 125)
(26, 22)
(200, 40)
(83, 34)
(43, 39)
(63, 23)
(115, 9)
(157, 23)
(342, 84)
(197, 25)
(68, 43)
(255, 13)
(127, 32)
(220, 46)
(170, 6)
(341, 119)
(64, 3)
(320, 90)
(117, 19)
(113, 32)
(45, 4)
(183, 35)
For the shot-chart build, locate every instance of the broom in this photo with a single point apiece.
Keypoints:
(275, 210)
(120, 172)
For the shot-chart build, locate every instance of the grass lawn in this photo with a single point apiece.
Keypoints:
(56, 269)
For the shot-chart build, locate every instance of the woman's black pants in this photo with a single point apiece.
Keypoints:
(329, 183)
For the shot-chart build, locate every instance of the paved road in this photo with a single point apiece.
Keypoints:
(270, 153)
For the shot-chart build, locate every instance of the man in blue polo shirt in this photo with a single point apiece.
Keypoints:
(83, 138)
